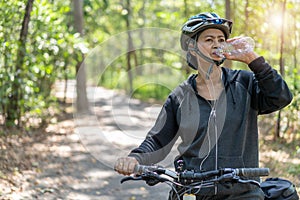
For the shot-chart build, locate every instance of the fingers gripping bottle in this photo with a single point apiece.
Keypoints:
(238, 46)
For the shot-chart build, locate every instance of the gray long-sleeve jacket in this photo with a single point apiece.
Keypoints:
(221, 133)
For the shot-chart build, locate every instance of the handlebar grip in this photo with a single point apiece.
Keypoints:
(253, 172)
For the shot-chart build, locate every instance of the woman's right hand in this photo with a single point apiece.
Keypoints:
(125, 165)
(245, 57)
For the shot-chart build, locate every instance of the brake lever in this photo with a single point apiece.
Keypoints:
(150, 178)
(228, 177)
(131, 178)
(234, 178)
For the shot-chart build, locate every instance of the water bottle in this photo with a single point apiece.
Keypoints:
(238, 46)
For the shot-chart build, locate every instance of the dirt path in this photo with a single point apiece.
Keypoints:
(75, 158)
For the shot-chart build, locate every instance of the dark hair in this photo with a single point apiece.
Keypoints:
(191, 60)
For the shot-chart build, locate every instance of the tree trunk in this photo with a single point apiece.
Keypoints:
(281, 64)
(129, 68)
(228, 63)
(82, 105)
(14, 111)
(139, 70)
(186, 11)
(246, 24)
(296, 71)
(185, 66)
(65, 81)
(130, 51)
(227, 9)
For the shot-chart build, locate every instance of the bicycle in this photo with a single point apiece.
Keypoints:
(187, 183)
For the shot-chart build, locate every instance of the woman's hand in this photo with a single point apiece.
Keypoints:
(125, 165)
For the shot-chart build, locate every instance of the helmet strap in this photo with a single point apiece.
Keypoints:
(209, 71)
(206, 58)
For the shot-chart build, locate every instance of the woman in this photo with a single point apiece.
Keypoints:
(214, 112)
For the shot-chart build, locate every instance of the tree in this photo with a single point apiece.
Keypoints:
(14, 111)
(228, 63)
(82, 105)
(281, 65)
(227, 9)
(131, 51)
(246, 16)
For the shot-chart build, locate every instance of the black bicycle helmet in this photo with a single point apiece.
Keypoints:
(198, 23)
(193, 27)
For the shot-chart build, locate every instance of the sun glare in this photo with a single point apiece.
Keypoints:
(277, 20)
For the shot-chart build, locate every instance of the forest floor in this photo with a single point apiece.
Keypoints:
(67, 160)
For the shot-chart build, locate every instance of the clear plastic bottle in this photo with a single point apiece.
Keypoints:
(238, 46)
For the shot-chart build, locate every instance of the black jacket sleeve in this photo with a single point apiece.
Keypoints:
(269, 92)
(160, 138)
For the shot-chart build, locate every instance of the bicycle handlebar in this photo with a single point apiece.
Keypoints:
(190, 180)
(245, 172)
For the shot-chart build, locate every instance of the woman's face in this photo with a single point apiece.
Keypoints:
(209, 40)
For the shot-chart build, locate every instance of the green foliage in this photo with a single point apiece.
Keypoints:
(53, 48)
(151, 92)
(49, 49)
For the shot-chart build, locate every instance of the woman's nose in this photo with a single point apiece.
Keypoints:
(217, 44)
